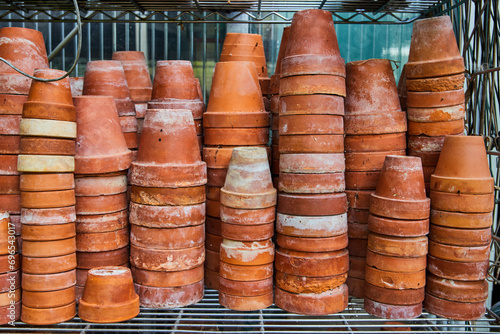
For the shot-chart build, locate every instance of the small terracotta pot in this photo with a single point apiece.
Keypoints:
(174, 79)
(465, 271)
(109, 296)
(89, 260)
(167, 279)
(457, 202)
(98, 205)
(375, 142)
(250, 47)
(166, 216)
(461, 220)
(48, 232)
(247, 253)
(311, 183)
(312, 204)
(326, 244)
(48, 299)
(375, 123)
(47, 199)
(312, 264)
(167, 196)
(311, 104)
(247, 232)
(454, 310)
(361, 180)
(275, 78)
(81, 275)
(48, 282)
(102, 241)
(247, 217)
(459, 253)
(312, 84)
(167, 259)
(389, 311)
(436, 84)
(245, 303)
(137, 74)
(433, 49)
(48, 265)
(311, 226)
(173, 238)
(245, 273)
(356, 287)
(168, 131)
(236, 136)
(76, 85)
(48, 216)
(460, 237)
(48, 316)
(436, 99)
(328, 302)
(196, 106)
(246, 288)
(312, 144)
(392, 296)
(212, 260)
(397, 227)
(312, 163)
(395, 264)
(93, 154)
(395, 280)
(459, 291)
(397, 246)
(301, 284)
(55, 93)
(213, 242)
(171, 297)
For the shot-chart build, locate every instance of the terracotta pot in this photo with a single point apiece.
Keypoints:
(219, 157)
(216, 178)
(299, 244)
(213, 226)
(10, 281)
(102, 241)
(47, 146)
(437, 117)
(312, 226)
(9, 185)
(102, 223)
(459, 291)
(375, 123)
(166, 216)
(312, 144)
(48, 299)
(236, 136)
(81, 275)
(359, 216)
(395, 264)
(213, 242)
(45, 163)
(171, 297)
(454, 310)
(433, 49)
(11, 203)
(247, 217)
(436, 128)
(48, 316)
(397, 227)
(247, 232)
(311, 104)
(312, 204)
(247, 253)
(48, 265)
(394, 297)
(98, 205)
(47, 128)
(395, 280)
(47, 199)
(425, 144)
(49, 100)
(212, 260)
(246, 288)
(461, 220)
(25, 49)
(245, 303)
(312, 84)
(9, 144)
(93, 154)
(168, 196)
(12, 104)
(48, 232)
(244, 272)
(397, 246)
(76, 85)
(89, 260)
(375, 143)
(328, 302)
(8, 165)
(167, 279)
(301, 284)
(312, 264)
(275, 78)
(48, 216)
(167, 260)
(174, 79)
(361, 180)
(195, 106)
(459, 253)
(467, 203)
(311, 124)
(369, 161)
(429, 159)
(460, 237)
(465, 271)
(312, 163)
(436, 99)
(100, 185)
(176, 238)
(43, 249)
(236, 120)
(439, 84)
(109, 296)
(389, 311)
(137, 74)
(356, 287)
(184, 168)
(371, 87)
(48, 282)
(245, 47)
(311, 183)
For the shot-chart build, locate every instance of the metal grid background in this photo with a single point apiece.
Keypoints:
(208, 316)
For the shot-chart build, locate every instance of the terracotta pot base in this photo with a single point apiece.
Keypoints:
(246, 288)
(247, 216)
(102, 223)
(301, 284)
(10, 124)
(167, 260)
(12, 104)
(212, 260)
(436, 99)
(359, 216)
(10, 281)
(166, 216)
(48, 299)
(458, 291)
(46, 182)
(375, 142)
(216, 177)
(47, 146)
(460, 237)
(213, 208)
(48, 282)
(312, 204)
(236, 136)
(302, 64)
(97, 186)
(102, 241)
(425, 144)
(196, 106)
(397, 246)
(312, 84)
(310, 163)
(357, 267)
(436, 128)
(172, 297)
(46, 163)
(399, 209)
(213, 226)
(454, 310)
(171, 238)
(9, 185)
(245, 272)
(437, 84)
(389, 311)
(98, 205)
(11, 203)
(8, 164)
(89, 260)
(168, 175)
(327, 244)
(368, 161)
(463, 271)
(9, 144)
(311, 125)
(235, 120)
(329, 302)
(358, 231)
(47, 199)
(395, 297)
(48, 316)
(48, 265)
(311, 226)
(436, 116)
(5, 266)
(312, 264)
(429, 159)
(467, 203)
(45, 249)
(461, 220)
(359, 199)
(219, 157)
(462, 185)
(459, 253)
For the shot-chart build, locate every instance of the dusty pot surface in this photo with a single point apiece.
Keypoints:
(328, 302)
(389, 311)
(137, 74)
(76, 84)
(174, 79)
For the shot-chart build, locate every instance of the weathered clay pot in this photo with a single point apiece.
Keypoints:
(311, 227)
(47, 199)
(312, 264)
(48, 316)
(466, 203)
(246, 303)
(274, 88)
(395, 264)
(100, 149)
(461, 220)
(245, 273)
(247, 253)
(102, 241)
(166, 216)
(368, 161)
(107, 184)
(47, 128)
(46, 146)
(403, 96)
(109, 296)
(48, 216)
(168, 196)
(375, 123)
(393, 296)
(312, 46)
(359, 199)
(312, 84)
(465, 271)
(397, 227)
(247, 232)
(311, 124)
(452, 309)
(389, 311)
(213, 225)
(460, 237)
(312, 204)
(246, 288)
(236, 136)
(236, 119)
(311, 104)
(436, 99)
(302, 284)
(213, 242)
(356, 287)
(137, 74)
(170, 297)
(247, 217)
(360, 216)
(98, 205)
(48, 299)
(459, 291)
(328, 302)
(397, 246)
(196, 106)
(311, 144)
(459, 253)
(446, 128)
(375, 142)
(439, 84)
(168, 152)
(178, 238)
(395, 280)
(167, 279)
(76, 84)
(433, 49)
(357, 267)
(10, 144)
(48, 232)
(167, 260)
(89, 260)
(361, 180)
(40, 249)
(48, 265)
(25, 49)
(311, 183)
(325, 244)
(312, 163)
(12, 104)
(245, 47)
(48, 282)
(174, 79)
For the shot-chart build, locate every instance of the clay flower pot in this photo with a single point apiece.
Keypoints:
(137, 74)
(55, 96)
(248, 181)
(328, 302)
(400, 190)
(245, 47)
(463, 167)
(312, 46)
(100, 145)
(169, 155)
(174, 79)
(25, 49)
(275, 78)
(433, 49)
(109, 296)
(371, 87)
(76, 84)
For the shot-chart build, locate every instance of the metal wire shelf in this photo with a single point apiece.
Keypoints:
(208, 316)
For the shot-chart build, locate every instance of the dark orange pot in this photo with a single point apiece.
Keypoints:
(397, 246)
(454, 310)
(312, 84)
(89, 260)
(48, 316)
(328, 302)
(167, 279)
(436, 84)
(375, 123)
(48, 265)
(436, 99)
(302, 284)
(245, 303)
(461, 220)
(167, 260)
(299, 244)
(245, 47)
(171, 297)
(312, 204)
(311, 226)
(246, 273)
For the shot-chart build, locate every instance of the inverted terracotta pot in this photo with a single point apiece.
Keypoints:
(425, 144)
(96, 205)
(328, 302)
(167, 279)
(312, 204)
(48, 316)
(48, 299)
(47, 199)
(239, 46)
(195, 106)
(45, 163)
(368, 161)
(247, 232)
(170, 297)
(247, 253)
(236, 120)
(375, 142)
(76, 84)
(246, 288)
(459, 291)
(375, 123)
(10, 124)
(310, 226)
(167, 196)
(371, 87)
(48, 265)
(89, 260)
(464, 271)
(393, 296)
(311, 124)
(218, 157)
(459, 253)
(102, 241)
(457, 202)
(47, 146)
(48, 282)
(312, 84)
(93, 154)
(433, 49)
(167, 260)
(461, 220)
(174, 79)
(311, 104)
(361, 180)
(311, 163)
(177, 238)
(245, 273)
(312, 264)
(397, 246)
(460, 237)
(395, 280)
(8, 165)
(436, 84)
(48, 232)
(311, 183)
(326, 244)
(102, 223)
(436, 99)
(136, 73)
(452, 309)
(9, 144)
(247, 217)
(395, 264)
(312, 144)
(48, 216)
(397, 227)
(236, 136)
(55, 94)
(12, 104)
(389, 311)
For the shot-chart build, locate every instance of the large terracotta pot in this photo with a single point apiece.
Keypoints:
(137, 74)
(174, 79)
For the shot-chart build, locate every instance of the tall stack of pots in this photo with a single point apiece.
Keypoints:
(10, 273)
(462, 200)
(375, 127)
(235, 117)
(167, 211)
(101, 163)
(312, 259)
(47, 163)
(248, 202)
(397, 241)
(435, 96)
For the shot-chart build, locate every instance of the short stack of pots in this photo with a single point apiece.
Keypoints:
(248, 48)
(47, 163)
(175, 87)
(107, 77)
(375, 127)
(138, 80)
(435, 96)
(397, 241)
(312, 221)
(101, 162)
(10, 273)
(167, 211)
(462, 201)
(25, 49)
(235, 117)
(247, 210)
(274, 92)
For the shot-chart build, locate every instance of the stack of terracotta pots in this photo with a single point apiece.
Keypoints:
(76, 84)
(435, 97)
(167, 211)
(47, 163)
(247, 210)
(25, 49)
(10, 273)
(248, 48)
(462, 200)
(138, 80)
(312, 219)
(101, 162)
(107, 77)
(235, 117)
(397, 241)
(375, 127)
(274, 107)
